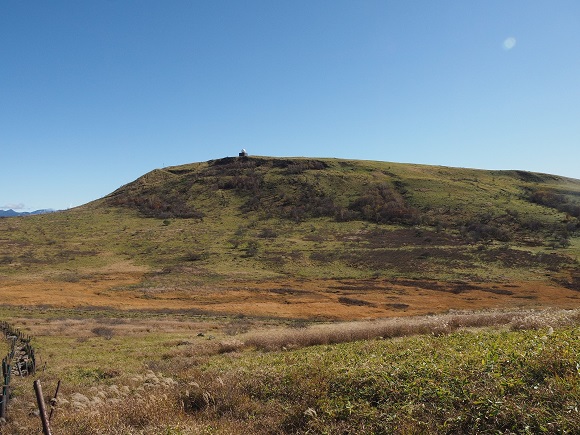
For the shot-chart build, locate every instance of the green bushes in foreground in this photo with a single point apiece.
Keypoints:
(495, 380)
(484, 382)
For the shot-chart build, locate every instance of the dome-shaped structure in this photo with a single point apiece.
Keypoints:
(243, 153)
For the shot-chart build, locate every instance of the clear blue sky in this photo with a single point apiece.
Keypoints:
(94, 94)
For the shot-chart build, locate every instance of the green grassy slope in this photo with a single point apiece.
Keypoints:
(484, 382)
(262, 217)
(493, 380)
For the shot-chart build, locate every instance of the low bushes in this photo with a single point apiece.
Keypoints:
(466, 382)
(519, 377)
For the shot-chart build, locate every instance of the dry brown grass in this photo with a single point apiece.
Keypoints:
(402, 327)
(4, 347)
(314, 299)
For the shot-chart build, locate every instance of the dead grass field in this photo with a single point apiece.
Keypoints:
(315, 299)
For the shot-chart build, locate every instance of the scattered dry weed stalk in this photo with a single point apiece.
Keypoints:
(401, 327)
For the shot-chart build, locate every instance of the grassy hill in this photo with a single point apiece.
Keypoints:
(267, 295)
(293, 226)
(300, 216)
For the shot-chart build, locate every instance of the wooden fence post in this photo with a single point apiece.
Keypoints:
(26, 364)
(4, 395)
(4, 398)
(42, 408)
(53, 402)
(5, 387)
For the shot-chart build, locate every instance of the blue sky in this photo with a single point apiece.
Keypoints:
(94, 94)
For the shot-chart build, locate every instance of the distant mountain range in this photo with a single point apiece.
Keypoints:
(12, 213)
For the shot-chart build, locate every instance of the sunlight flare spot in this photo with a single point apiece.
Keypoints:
(509, 43)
